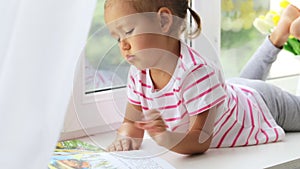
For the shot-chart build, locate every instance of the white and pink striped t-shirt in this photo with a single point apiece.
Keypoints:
(198, 85)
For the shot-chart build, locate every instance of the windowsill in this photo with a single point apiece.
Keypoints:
(260, 156)
(285, 72)
(286, 65)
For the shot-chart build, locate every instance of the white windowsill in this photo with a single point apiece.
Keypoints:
(285, 72)
(251, 157)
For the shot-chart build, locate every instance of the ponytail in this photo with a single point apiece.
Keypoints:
(197, 19)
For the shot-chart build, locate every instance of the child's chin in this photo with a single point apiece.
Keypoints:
(140, 67)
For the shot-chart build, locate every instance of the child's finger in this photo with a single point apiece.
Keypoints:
(111, 148)
(135, 145)
(125, 144)
(118, 145)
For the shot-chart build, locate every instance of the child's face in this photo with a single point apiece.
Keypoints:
(139, 36)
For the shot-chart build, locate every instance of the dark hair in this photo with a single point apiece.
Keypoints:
(179, 8)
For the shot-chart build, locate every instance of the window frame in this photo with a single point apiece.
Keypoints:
(210, 18)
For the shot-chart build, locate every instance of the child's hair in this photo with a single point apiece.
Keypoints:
(179, 8)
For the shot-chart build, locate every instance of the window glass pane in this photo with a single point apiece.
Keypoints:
(105, 69)
(239, 38)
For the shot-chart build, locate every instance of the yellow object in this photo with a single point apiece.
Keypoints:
(227, 5)
(59, 145)
(276, 19)
(284, 3)
(265, 24)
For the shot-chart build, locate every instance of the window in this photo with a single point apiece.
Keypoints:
(99, 92)
(239, 38)
(104, 68)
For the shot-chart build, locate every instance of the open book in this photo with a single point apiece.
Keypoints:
(75, 154)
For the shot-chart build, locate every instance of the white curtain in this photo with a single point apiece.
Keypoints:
(40, 41)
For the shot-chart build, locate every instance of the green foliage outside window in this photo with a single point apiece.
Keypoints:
(101, 49)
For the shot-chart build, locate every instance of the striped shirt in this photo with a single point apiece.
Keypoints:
(197, 85)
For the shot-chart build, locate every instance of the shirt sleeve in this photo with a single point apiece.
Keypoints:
(202, 89)
(132, 95)
(260, 63)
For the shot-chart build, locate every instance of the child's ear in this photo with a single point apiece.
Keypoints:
(166, 19)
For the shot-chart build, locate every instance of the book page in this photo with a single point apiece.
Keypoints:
(138, 159)
(76, 154)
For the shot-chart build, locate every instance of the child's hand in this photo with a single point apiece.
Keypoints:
(153, 123)
(123, 143)
(128, 137)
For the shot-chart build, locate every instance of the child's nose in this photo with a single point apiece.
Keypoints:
(125, 45)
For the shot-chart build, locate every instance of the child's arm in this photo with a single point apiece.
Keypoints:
(129, 137)
(196, 140)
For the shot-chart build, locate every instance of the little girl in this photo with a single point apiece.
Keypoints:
(179, 96)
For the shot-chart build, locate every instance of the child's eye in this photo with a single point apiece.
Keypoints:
(129, 32)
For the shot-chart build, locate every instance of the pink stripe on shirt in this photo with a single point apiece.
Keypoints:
(176, 118)
(277, 135)
(199, 81)
(225, 134)
(192, 56)
(230, 128)
(208, 106)
(202, 94)
(165, 95)
(202, 59)
(142, 95)
(228, 109)
(247, 91)
(240, 131)
(252, 122)
(182, 66)
(266, 134)
(132, 79)
(264, 117)
(196, 68)
(267, 122)
(171, 106)
(145, 85)
(134, 102)
(226, 120)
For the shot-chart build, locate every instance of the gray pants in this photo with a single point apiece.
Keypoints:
(284, 106)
